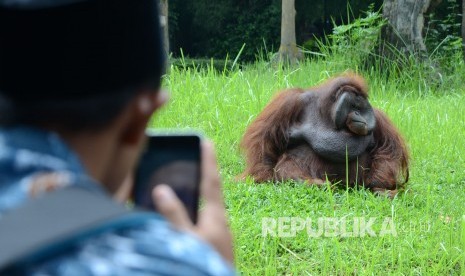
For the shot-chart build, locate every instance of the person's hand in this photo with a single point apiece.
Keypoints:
(212, 225)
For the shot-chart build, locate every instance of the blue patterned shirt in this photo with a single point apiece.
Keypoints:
(31, 159)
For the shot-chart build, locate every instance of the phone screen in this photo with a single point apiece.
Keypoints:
(173, 160)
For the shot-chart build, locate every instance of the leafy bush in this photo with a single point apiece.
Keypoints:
(356, 41)
(443, 33)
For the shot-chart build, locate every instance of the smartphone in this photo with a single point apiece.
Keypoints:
(172, 159)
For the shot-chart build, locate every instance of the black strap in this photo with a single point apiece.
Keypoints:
(49, 224)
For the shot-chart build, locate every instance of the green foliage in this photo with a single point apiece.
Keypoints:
(205, 28)
(254, 29)
(358, 39)
(427, 215)
(358, 43)
(443, 32)
(220, 28)
(311, 45)
(199, 64)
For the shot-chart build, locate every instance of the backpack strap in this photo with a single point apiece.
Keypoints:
(54, 222)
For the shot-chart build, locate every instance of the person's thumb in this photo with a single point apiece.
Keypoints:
(169, 205)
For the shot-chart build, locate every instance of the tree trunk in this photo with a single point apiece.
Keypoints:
(288, 51)
(163, 6)
(463, 28)
(404, 29)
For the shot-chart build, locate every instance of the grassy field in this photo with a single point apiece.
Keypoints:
(427, 217)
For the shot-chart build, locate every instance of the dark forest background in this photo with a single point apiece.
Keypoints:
(215, 29)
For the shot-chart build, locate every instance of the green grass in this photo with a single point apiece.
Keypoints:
(427, 215)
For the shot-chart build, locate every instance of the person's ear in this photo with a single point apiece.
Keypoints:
(139, 112)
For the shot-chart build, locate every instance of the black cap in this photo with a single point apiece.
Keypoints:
(73, 49)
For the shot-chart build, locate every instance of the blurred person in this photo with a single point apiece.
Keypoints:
(79, 81)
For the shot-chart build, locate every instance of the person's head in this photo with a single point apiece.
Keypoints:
(82, 68)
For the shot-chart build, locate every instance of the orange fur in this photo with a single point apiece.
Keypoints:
(268, 157)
